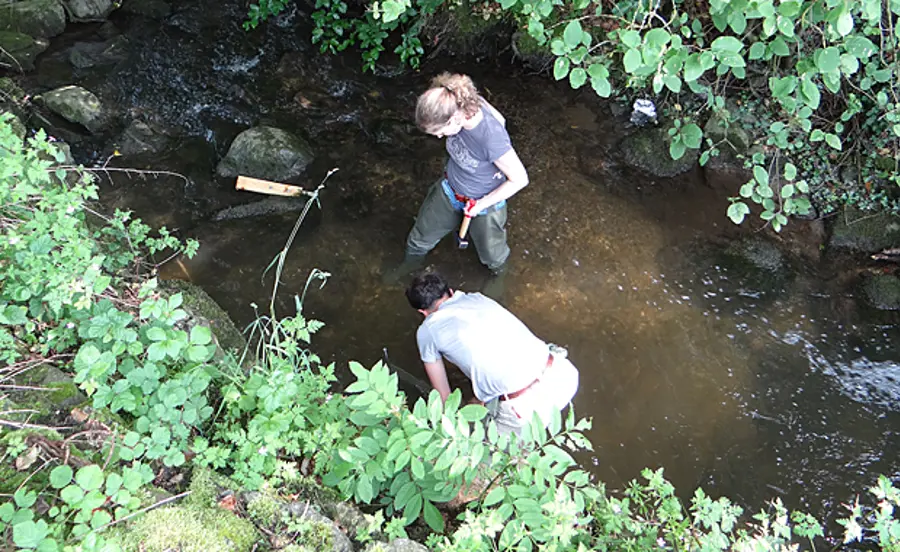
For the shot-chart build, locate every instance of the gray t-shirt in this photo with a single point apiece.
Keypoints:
(487, 342)
(471, 171)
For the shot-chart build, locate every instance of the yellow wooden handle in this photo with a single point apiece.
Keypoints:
(464, 227)
(267, 187)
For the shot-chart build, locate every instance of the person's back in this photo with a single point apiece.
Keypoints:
(486, 341)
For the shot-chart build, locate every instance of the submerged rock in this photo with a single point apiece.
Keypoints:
(266, 152)
(38, 18)
(647, 149)
(18, 51)
(757, 252)
(263, 207)
(89, 10)
(154, 9)
(92, 54)
(883, 291)
(77, 105)
(139, 138)
(861, 231)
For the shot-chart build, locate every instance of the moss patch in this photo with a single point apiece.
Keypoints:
(190, 528)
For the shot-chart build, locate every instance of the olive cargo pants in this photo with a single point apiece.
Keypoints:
(438, 217)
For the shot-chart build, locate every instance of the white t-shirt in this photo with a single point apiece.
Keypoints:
(486, 341)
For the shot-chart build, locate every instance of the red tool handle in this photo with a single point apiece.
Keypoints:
(464, 227)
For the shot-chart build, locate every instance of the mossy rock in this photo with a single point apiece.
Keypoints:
(647, 149)
(883, 291)
(77, 105)
(208, 313)
(857, 230)
(18, 50)
(266, 152)
(38, 18)
(207, 486)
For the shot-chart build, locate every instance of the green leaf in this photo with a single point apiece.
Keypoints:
(676, 149)
(198, 353)
(828, 59)
(29, 534)
(417, 467)
(413, 508)
(473, 412)
(737, 211)
(573, 34)
(561, 68)
(60, 476)
(849, 64)
(24, 497)
(72, 494)
(737, 22)
(156, 334)
(809, 92)
(200, 335)
(691, 135)
(632, 60)
(845, 23)
(693, 68)
(577, 78)
(757, 50)
(90, 477)
(833, 141)
(790, 171)
(657, 38)
(673, 83)
(601, 86)
(816, 135)
(630, 38)
(433, 517)
(727, 44)
(860, 47)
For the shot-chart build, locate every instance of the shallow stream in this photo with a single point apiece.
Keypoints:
(752, 387)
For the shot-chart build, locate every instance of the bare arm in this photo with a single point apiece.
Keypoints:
(516, 179)
(437, 374)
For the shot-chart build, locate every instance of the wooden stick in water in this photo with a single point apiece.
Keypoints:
(268, 187)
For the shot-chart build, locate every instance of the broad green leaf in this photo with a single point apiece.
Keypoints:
(90, 477)
(495, 496)
(728, 44)
(413, 508)
(737, 22)
(691, 135)
(787, 191)
(757, 50)
(693, 69)
(630, 38)
(657, 38)
(561, 68)
(577, 78)
(601, 86)
(61, 476)
(790, 171)
(810, 92)
(828, 59)
(673, 83)
(632, 60)
(817, 135)
(573, 34)
(200, 335)
(833, 141)
(473, 413)
(849, 64)
(737, 211)
(860, 47)
(433, 517)
(845, 23)
(779, 47)
(676, 149)
(29, 534)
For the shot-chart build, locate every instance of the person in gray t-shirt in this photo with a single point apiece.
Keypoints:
(482, 166)
(513, 372)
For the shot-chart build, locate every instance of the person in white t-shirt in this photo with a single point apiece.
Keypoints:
(513, 372)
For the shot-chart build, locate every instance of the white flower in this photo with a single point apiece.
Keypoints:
(14, 240)
(263, 451)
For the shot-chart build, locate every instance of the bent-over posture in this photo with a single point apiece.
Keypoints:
(513, 372)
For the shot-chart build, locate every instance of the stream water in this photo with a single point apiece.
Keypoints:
(750, 387)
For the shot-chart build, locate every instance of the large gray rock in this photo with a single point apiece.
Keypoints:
(304, 510)
(647, 149)
(883, 291)
(38, 18)
(854, 229)
(78, 105)
(89, 10)
(18, 50)
(264, 207)
(266, 152)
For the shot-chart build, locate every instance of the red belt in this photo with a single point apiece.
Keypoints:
(513, 395)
